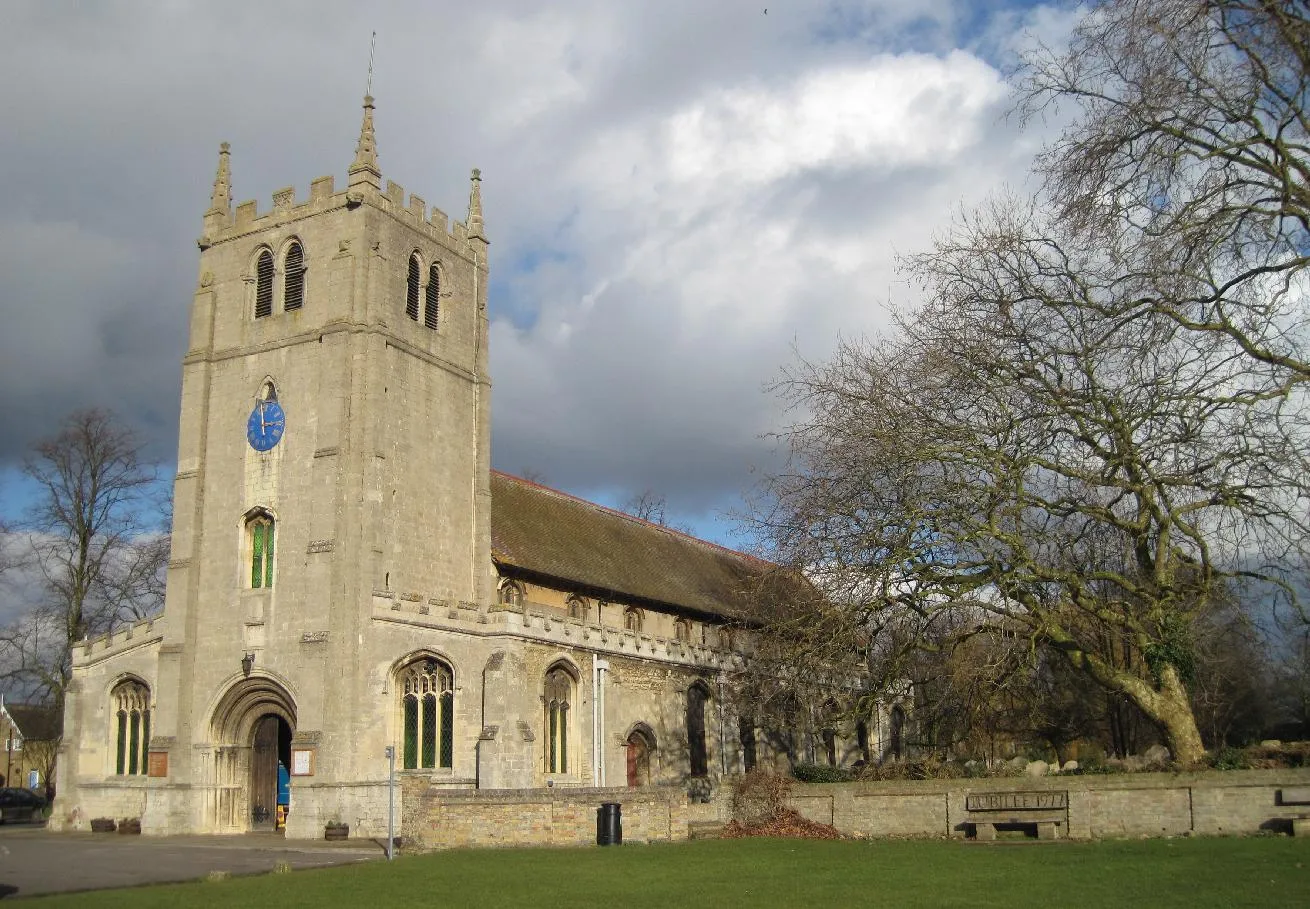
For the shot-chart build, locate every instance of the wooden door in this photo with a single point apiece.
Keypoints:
(263, 772)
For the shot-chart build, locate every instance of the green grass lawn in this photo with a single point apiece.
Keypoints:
(1273, 871)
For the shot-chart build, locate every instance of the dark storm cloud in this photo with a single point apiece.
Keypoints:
(677, 193)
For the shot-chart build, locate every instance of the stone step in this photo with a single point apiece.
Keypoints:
(704, 830)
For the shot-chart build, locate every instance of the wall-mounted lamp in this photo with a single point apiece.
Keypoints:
(247, 662)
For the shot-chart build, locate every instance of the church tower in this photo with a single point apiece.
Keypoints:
(333, 448)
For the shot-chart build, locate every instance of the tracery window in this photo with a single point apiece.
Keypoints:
(427, 703)
(293, 286)
(682, 631)
(264, 284)
(412, 287)
(131, 702)
(432, 297)
(558, 699)
(260, 533)
(632, 619)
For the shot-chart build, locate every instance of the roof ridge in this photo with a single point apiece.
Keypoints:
(633, 518)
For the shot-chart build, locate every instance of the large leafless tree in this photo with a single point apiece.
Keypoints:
(1191, 135)
(98, 536)
(1031, 449)
(1096, 425)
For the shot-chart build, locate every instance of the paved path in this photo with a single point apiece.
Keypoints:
(33, 860)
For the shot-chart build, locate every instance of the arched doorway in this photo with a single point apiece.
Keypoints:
(251, 733)
(640, 744)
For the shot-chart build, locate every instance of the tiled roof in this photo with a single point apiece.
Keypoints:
(36, 723)
(592, 549)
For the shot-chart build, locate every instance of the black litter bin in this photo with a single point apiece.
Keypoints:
(609, 824)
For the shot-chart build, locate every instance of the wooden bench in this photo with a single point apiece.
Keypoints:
(1297, 796)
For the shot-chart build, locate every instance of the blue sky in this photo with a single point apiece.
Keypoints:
(681, 197)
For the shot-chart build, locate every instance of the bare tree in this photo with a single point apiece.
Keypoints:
(97, 537)
(646, 505)
(1191, 134)
(1032, 449)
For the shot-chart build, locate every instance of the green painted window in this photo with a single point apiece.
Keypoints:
(134, 746)
(145, 739)
(411, 733)
(261, 552)
(429, 730)
(448, 729)
(122, 743)
(428, 702)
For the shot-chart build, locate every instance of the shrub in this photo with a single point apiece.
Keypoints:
(821, 773)
(759, 797)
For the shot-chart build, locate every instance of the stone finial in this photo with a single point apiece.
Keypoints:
(220, 201)
(474, 219)
(365, 168)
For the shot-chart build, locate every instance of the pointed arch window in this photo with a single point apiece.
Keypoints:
(427, 703)
(578, 608)
(682, 631)
(432, 297)
(412, 287)
(293, 291)
(559, 699)
(510, 593)
(632, 619)
(131, 702)
(260, 532)
(264, 284)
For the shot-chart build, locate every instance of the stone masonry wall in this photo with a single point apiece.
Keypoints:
(442, 819)
(1144, 804)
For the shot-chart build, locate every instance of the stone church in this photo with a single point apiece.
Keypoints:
(348, 574)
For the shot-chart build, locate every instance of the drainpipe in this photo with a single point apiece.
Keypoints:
(598, 669)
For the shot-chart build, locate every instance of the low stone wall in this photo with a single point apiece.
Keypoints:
(1082, 807)
(441, 818)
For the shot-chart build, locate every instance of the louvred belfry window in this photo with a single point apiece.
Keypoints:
(293, 296)
(264, 285)
(411, 288)
(432, 301)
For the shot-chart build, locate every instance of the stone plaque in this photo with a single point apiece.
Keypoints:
(1017, 801)
(157, 763)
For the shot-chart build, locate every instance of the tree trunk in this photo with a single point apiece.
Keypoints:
(1173, 712)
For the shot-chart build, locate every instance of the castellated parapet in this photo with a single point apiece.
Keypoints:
(434, 224)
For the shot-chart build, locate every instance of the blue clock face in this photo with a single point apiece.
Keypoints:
(266, 424)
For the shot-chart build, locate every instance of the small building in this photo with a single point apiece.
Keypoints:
(30, 735)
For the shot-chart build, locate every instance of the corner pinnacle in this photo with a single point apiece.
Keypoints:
(474, 219)
(220, 200)
(365, 168)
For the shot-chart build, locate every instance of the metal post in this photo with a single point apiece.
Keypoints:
(391, 801)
